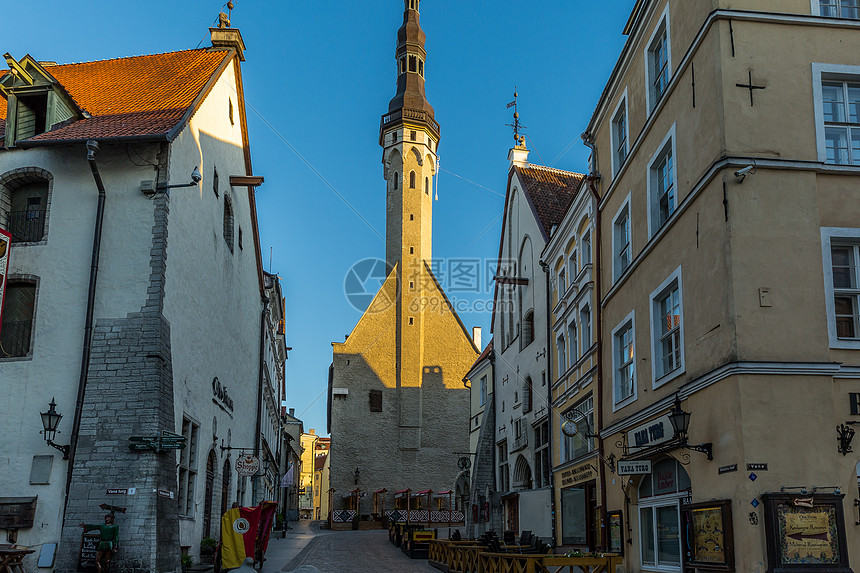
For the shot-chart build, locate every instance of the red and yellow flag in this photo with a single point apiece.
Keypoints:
(243, 529)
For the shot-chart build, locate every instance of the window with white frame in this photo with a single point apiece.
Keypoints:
(562, 355)
(585, 322)
(620, 135)
(542, 463)
(660, 495)
(841, 104)
(841, 256)
(621, 250)
(585, 247)
(188, 467)
(662, 184)
(579, 445)
(624, 363)
(667, 342)
(658, 62)
(571, 338)
(840, 8)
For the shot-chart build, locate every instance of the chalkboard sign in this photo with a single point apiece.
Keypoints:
(89, 551)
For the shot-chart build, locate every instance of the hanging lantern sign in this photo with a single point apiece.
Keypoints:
(247, 465)
(5, 247)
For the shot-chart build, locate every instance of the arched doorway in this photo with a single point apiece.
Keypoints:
(522, 473)
(660, 495)
(207, 501)
(225, 487)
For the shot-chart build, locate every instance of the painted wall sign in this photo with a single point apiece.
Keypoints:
(634, 468)
(581, 473)
(5, 248)
(756, 467)
(854, 397)
(220, 394)
(728, 469)
(247, 465)
(650, 434)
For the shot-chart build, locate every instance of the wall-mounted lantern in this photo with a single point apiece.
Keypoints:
(680, 424)
(50, 421)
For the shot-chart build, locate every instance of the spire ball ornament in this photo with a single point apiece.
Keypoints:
(229, 5)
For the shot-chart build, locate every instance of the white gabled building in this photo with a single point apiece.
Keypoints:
(155, 329)
(536, 200)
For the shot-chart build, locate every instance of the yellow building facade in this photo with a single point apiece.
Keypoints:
(307, 503)
(398, 406)
(729, 225)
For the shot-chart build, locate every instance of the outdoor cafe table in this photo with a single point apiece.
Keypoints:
(11, 559)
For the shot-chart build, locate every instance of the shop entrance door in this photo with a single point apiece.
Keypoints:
(512, 521)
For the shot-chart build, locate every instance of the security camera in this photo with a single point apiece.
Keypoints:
(744, 171)
(196, 177)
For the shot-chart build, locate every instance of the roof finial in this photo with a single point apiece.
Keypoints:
(516, 125)
(224, 19)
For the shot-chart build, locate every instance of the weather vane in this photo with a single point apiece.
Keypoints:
(516, 125)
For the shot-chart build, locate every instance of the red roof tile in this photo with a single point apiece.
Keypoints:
(135, 96)
(319, 462)
(551, 191)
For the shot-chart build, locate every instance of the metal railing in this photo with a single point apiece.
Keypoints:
(26, 226)
(15, 338)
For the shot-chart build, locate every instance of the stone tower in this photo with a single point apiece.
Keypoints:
(399, 410)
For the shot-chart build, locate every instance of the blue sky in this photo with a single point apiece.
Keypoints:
(319, 75)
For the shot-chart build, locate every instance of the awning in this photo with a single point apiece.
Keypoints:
(402, 492)
(425, 492)
(383, 490)
(441, 493)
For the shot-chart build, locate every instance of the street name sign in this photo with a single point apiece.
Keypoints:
(634, 468)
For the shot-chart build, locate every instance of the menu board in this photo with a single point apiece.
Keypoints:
(89, 551)
(616, 533)
(708, 535)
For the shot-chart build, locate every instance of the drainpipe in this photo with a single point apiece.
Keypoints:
(92, 147)
(255, 483)
(593, 180)
(545, 267)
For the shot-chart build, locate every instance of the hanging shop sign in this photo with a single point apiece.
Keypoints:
(247, 465)
(641, 467)
(806, 533)
(650, 434)
(578, 474)
(5, 247)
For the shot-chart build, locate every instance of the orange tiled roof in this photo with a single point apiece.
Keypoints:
(551, 191)
(134, 96)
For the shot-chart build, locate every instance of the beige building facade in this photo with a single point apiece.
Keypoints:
(727, 148)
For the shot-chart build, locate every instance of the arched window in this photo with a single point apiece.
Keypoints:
(225, 486)
(211, 462)
(426, 185)
(24, 195)
(522, 473)
(413, 63)
(228, 222)
(659, 513)
(396, 181)
(412, 180)
(18, 312)
(421, 68)
(528, 327)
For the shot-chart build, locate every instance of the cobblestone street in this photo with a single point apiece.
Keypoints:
(341, 552)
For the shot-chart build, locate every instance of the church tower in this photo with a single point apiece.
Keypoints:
(399, 411)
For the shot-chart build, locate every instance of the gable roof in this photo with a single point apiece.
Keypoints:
(134, 97)
(550, 192)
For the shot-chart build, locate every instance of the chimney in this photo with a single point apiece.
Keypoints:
(476, 337)
(519, 155)
(293, 412)
(228, 38)
(312, 432)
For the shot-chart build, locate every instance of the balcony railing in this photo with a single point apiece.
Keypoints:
(26, 226)
(407, 114)
(15, 338)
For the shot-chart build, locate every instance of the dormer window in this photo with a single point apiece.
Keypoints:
(31, 115)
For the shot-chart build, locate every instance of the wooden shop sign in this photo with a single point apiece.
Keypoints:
(581, 473)
(247, 465)
(641, 467)
(17, 512)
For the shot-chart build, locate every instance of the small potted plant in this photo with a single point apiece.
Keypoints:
(187, 562)
(207, 547)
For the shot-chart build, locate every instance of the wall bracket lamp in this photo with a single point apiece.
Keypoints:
(50, 421)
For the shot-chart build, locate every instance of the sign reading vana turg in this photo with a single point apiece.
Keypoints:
(247, 465)
(641, 467)
(650, 434)
(5, 247)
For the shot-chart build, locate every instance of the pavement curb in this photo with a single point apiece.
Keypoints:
(299, 559)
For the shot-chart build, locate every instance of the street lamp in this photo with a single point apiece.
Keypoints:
(50, 421)
(680, 421)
